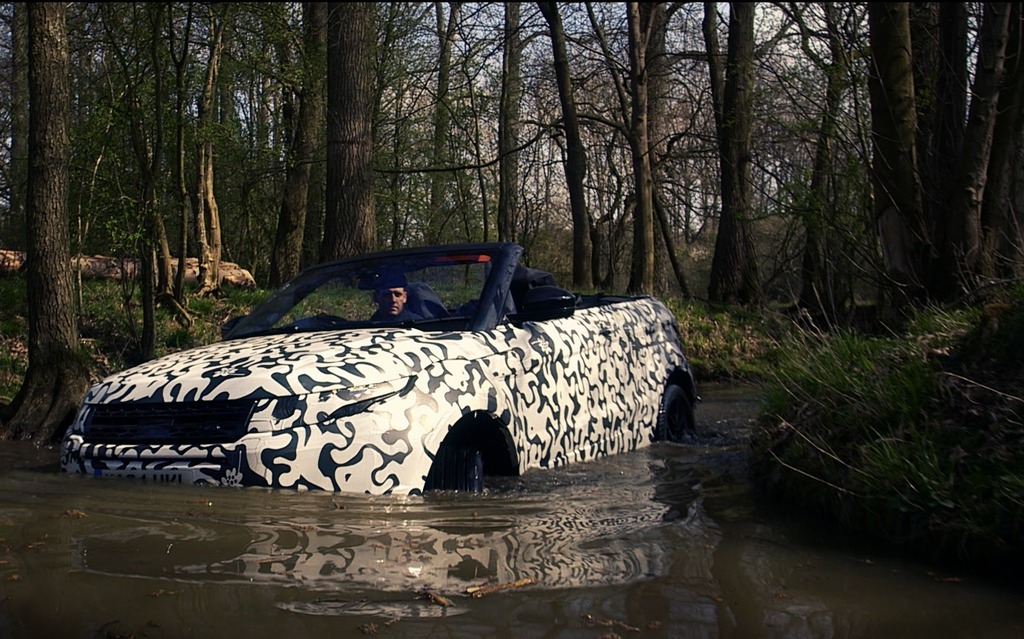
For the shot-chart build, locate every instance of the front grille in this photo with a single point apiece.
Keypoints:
(168, 423)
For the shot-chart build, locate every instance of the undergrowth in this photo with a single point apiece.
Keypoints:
(109, 329)
(916, 438)
(13, 336)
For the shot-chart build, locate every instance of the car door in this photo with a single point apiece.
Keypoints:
(556, 390)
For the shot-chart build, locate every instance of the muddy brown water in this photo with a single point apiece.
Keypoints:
(665, 542)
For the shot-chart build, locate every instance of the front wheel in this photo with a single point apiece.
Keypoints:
(457, 468)
(676, 420)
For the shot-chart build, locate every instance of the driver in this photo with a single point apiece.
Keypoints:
(391, 297)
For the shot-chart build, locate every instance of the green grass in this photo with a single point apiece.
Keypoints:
(730, 343)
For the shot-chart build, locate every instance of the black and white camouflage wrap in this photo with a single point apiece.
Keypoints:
(366, 410)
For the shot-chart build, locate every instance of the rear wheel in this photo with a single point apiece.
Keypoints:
(458, 467)
(676, 421)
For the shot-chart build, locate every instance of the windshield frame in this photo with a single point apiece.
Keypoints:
(494, 302)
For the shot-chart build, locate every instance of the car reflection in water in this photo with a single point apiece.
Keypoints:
(409, 544)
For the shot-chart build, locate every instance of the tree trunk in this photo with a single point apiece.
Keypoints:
(471, 211)
(57, 378)
(926, 58)
(147, 147)
(940, 66)
(1000, 247)
(509, 125)
(440, 179)
(957, 268)
(716, 72)
(349, 223)
(575, 155)
(819, 291)
(179, 59)
(291, 222)
(659, 74)
(163, 267)
(399, 216)
(207, 215)
(898, 210)
(641, 276)
(733, 268)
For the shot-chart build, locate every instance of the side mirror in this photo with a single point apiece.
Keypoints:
(544, 303)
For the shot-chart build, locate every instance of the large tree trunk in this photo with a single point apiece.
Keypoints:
(733, 268)
(1000, 254)
(349, 223)
(57, 378)
(641, 276)
(957, 268)
(940, 42)
(509, 125)
(291, 221)
(897, 190)
(575, 155)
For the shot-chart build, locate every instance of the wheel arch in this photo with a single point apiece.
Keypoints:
(490, 435)
(682, 376)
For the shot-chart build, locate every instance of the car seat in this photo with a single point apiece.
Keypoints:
(423, 301)
(523, 279)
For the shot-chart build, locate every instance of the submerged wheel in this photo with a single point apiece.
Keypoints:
(676, 421)
(457, 468)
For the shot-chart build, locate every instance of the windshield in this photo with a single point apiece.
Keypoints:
(452, 290)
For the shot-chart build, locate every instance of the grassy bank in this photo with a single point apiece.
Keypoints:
(731, 343)
(915, 438)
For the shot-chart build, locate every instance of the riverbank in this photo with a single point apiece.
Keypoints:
(916, 438)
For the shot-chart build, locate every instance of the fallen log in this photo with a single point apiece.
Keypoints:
(104, 267)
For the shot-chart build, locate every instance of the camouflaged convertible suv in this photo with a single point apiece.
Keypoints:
(489, 369)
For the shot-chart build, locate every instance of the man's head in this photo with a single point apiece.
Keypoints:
(390, 300)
